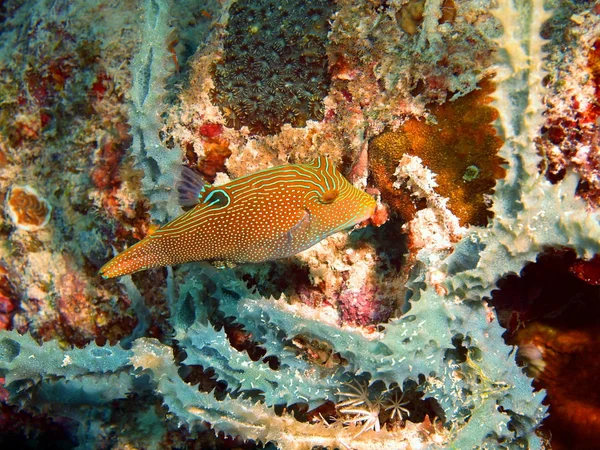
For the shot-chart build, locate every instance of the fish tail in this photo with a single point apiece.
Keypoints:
(143, 255)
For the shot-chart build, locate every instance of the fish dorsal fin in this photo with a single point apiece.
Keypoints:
(320, 162)
(190, 187)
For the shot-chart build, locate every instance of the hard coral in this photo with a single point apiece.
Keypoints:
(274, 69)
(78, 317)
(216, 153)
(210, 130)
(410, 16)
(570, 138)
(105, 174)
(27, 209)
(460, 147)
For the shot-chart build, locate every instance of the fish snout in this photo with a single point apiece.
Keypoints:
(367, 208)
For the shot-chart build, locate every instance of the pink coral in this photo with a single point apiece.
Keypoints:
(361, 306)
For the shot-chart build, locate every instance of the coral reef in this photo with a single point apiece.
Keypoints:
(294, 379)
(569, 136)
(8, 299)
(410, 16)
(150, 69)
(62, 111)
(377, 338)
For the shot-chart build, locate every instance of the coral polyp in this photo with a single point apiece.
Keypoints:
(274, 52)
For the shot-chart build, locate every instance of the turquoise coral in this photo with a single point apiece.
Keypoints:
(150, 68)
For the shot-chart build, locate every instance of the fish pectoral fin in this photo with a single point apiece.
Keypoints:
(286, 243)
(300, 227)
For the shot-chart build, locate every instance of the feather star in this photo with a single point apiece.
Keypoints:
(271, 214)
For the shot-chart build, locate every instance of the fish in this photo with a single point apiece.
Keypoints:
(267, 215)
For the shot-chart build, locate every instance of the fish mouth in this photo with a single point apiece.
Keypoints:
(367, 212)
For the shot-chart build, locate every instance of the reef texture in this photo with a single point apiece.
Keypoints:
(449, 113)
(274, 66)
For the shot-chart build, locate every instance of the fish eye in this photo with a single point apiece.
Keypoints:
(218, 198)
(329, 196)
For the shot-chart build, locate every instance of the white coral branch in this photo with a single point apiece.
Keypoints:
(436, 227)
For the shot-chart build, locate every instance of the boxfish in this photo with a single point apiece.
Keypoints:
(267, 215)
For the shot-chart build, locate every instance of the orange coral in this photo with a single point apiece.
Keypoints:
(460, 148)
(27, 209)
(570, 375)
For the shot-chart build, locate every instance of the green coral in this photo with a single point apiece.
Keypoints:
(49, 374)
(530, 213)
(410, 349)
